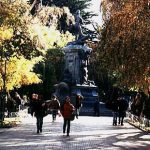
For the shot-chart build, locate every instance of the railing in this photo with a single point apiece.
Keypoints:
(141, 122)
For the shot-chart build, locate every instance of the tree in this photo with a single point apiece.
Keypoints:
(73, 6)
(26, 40)
(17, 46)
(124, 48)
(52, 40)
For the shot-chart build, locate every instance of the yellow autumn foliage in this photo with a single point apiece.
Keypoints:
(25, 38)
(19, 71)
(5, 33)
(49, 36)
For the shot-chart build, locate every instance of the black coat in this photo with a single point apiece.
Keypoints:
(123, 105)
(114, 105)
(37, 108)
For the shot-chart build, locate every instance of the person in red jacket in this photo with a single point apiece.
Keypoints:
(67, 110)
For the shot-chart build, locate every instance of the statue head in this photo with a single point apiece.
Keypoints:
(78, 12)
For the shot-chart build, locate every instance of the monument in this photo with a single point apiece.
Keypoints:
(75, 80)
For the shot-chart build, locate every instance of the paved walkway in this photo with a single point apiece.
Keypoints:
(87, 133)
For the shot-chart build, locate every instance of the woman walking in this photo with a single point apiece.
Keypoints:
(67, 110)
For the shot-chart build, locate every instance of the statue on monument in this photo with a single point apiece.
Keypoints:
(78, 25)
(77, 55)
(75, 78)
(83, 52)
(80, 37)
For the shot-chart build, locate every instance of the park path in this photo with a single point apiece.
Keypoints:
(87, 133)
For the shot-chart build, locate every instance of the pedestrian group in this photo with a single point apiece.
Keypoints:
(40, 108)
(119, 106)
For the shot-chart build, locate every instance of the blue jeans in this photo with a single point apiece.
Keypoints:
(115, 115)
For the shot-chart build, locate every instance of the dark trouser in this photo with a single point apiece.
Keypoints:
(39, 123)
(54, 113)
(66, 124)
(115, 114)
(121, 117)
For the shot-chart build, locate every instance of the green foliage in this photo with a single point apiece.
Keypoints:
(73, 6)
(51, 69)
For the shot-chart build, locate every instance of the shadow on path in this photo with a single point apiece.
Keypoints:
(87, 133)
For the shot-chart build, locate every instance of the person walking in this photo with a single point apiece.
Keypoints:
(115, 111)
(54, 106)
(18, 100)
(38, 109)
(122, 108)
(78, 104)
(66, 111)
(96, 108)
(115, 104)
(10, 105)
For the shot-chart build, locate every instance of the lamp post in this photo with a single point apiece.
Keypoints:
(4, 57)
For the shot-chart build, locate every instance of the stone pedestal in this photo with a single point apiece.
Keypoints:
(76, 61)
(74, 57)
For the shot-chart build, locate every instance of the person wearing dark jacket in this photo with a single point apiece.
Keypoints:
(10, 105)
(78, 104)
(54, 105)
(66, 111)
(17, 99)
(115, 111)
(38, 108)
(122, 106)
(96, 108)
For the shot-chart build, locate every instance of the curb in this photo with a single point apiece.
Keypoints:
(138, 127)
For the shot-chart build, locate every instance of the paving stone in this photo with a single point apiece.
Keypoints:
(87, 133)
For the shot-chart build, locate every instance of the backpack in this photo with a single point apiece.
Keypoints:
(54, 104)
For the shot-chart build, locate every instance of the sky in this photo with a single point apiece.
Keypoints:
(95, 7)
